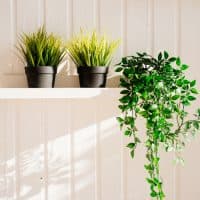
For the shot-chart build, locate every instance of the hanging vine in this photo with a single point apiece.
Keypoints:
(157, 90)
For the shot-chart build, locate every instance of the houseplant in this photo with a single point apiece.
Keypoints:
(41, 53)
(157, 90)
(92, 54)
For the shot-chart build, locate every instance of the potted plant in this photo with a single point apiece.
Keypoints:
(92, 54)
(157, 90)
(41, 53)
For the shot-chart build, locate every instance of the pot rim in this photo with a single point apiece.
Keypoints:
(95, 70)
(42, 69)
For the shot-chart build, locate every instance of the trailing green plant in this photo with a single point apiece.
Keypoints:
(157, 90)
(91, 50)
(41, 49)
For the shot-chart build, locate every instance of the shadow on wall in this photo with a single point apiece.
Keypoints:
(64, 148)
(70, 148)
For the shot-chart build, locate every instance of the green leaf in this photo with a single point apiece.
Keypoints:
(191, 98)
(178, 61)
(125, 92)
(175, 97)
(131, 145)
(148, 167)
(186, 82)
(185, 102)
(144, 114)
(166, 55)
(125, 99)
(150, 181)
(198, 112)
(194, 91)
(179, 82)
(119, 69)
(153, 194)
(124, 60)
(132, 154)
(196, 125)
(173, 59)
(184, 67)
(120, 120)
(193, 83)
(160, 56)
(128, 133)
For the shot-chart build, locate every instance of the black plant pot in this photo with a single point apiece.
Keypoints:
(92, 77)
(41, 77)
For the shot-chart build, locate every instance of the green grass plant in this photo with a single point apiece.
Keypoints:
(91, 50)
(41, 49)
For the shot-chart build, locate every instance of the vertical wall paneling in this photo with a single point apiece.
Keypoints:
(124, 49)
(189, 174)
(12, 174)
(27, 9)
(43, 159)
(15, 131)
(124, 28)
(190, 31)
(150, 24)
(83, 15)
(177, 27)
(71, 68)
(164, 23)
(6, 39)
(28, 20)
(83, 129)
(145, 25)
(58, 150)
(138, 30)
(71, 150)
(97, 14)
(109, 147)
(3, 150)
(110, 23)
(91, 154)
(98, 165)
(57, 17)
(30, 149)
(177, 51)
(136, 166)
(41, 19)
(190, 49)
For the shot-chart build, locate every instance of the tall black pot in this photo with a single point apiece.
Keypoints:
(41, 77)
(92, 77)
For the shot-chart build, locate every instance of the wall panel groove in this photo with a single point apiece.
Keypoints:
(3, 150)
(98, 181)
(14, 110)
(150, 26)
(142, 25)
(124, 27)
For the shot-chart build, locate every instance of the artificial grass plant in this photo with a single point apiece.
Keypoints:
(41, 49)
(91, 49)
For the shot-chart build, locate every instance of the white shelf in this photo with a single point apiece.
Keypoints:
(51, 93)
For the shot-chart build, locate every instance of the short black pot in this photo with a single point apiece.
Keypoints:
(41, 77)
(92, 77)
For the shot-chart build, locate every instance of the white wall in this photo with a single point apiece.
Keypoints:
(143, 25)
(56, 149)
(74, 145)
